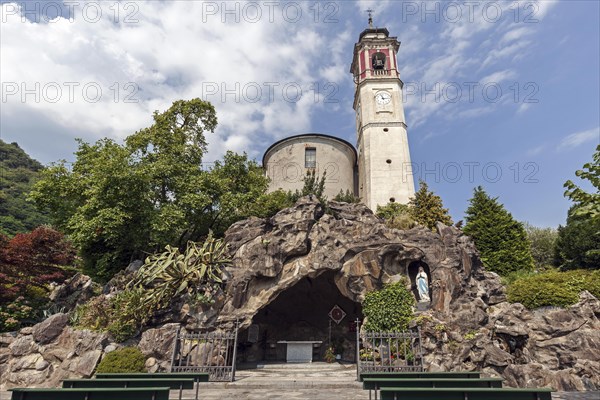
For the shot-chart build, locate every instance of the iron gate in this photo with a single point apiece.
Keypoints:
(388, 351)
(212, 352)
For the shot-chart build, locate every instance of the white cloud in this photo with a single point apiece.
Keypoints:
(536, 150)
(498, 76)
(176, 50)
(579, 138)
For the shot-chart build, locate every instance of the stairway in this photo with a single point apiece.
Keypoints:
(313, 381)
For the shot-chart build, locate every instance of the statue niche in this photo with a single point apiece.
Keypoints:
(420, 280)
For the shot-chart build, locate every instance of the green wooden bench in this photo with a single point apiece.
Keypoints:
(374, 384)
(172, 383)
(196, 376)
(457, 375)
(465, 394)
(148, 393)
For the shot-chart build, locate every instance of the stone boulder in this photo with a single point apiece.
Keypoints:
(555, 347)
(157, 345)
(46, 331)
(76, 290)
(49, 354)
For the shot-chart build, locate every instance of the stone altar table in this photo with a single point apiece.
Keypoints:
(299, 351)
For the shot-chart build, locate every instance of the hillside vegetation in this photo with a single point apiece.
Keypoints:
(18, 172)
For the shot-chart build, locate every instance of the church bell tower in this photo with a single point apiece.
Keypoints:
(384, 169)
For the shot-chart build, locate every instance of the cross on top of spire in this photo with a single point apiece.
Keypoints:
(370, 12)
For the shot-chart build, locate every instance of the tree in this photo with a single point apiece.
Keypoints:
(28, 264)
(542, 242)
(312, 186)
(346, 197)
(501, 240)
(396, 216)
(269, 204)
(427, 208)
(120, 202)
(233, 188)
(578, 242)
(589, 203)
(18, 172)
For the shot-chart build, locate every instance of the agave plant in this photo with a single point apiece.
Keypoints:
(194, 273)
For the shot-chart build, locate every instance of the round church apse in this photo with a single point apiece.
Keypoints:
(313, 310)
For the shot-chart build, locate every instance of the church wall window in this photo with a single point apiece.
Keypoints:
(310, 157)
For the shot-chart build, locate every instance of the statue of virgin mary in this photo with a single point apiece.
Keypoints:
(423, 285)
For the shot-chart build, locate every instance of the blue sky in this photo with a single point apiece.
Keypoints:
(491, 86)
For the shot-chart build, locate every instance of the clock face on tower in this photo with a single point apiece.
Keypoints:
(383, 98)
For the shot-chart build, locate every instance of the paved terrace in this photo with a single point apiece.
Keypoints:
(316, 381)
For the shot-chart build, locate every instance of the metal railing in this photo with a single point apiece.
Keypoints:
(388, 351)
(213, 352)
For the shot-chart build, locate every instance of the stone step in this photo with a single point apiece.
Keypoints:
(281, 376)
(287, 384)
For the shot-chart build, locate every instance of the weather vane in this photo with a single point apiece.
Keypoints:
(370, 12)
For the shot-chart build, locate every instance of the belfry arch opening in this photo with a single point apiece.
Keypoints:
(378, 60)
(301, 313)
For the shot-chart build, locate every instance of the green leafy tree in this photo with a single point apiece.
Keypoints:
(389, 309)
(269, 204)
(18, 173)
(396, 215)
(501, 240)
(589, 203)
(543, 242)
(346, 197)
(234, 186)
(578, 242)
(120, 202)
(427, 208)
(313, 185)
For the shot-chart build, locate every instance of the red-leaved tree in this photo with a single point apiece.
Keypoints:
(33, 259)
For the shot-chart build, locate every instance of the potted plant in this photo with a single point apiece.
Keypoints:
(329, 355)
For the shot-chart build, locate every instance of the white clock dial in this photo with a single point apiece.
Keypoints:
(383, 98)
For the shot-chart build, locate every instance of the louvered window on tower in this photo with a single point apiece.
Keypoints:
(310, 157)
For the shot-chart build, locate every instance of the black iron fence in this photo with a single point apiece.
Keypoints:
(213, 352)
(388, 351)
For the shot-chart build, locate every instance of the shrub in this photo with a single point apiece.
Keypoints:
(329, 355)
(553, 288)
(194, 274)
(127, 359)
(12, 315)
(346, 197)
(389, 309)
(122, 315)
